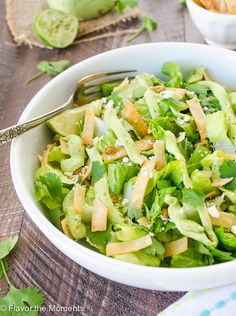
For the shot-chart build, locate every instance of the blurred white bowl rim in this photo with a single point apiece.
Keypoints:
(221, 65)
(218, 29)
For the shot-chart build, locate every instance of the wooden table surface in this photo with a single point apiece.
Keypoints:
(35, 260)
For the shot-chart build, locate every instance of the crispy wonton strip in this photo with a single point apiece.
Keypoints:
(65, 228)
(231, 6)
(159, 152)
(118, 152)
(221, 182)
(132, 116)
(118, 248)
(231, 156)
(199, 117)
(88, 129)
(141, 183)
(176, 247)
(209, 4)
(46, 153)
(143, 221)
(99, 217)
(79, 196)
(225, 219)
(179, 91)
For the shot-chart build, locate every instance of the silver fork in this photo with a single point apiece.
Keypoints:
(86, 90)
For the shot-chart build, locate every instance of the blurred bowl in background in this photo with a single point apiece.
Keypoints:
(218, 29)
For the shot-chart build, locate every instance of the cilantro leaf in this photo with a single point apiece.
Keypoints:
(220, 255)
(156, 249)
(120, 5)
(22, 298)
(99, 239)
(1, 269)
(52, 68)
(7, 245)
(193, 197)
(183, 2)
(98, 171)
(228, 170)
(50, 192)
(132, 213)
(148, 25)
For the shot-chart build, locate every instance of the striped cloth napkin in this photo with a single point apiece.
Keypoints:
(215, 302)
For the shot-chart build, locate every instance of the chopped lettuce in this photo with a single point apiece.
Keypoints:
(194, 161)
(119, 173)
(187, 227)
(114, 123)
(197, 255)
(106, 140)
(74, 220)
(172, 148)
(218, 136)
(220, 93)
(201, 180)
(196, 75)
(152, 99)
(227, 240)
(172, 70)
(101, 190)
(77, 154)
(228, 170)
(49, 191)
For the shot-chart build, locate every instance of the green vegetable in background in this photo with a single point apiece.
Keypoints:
(122, 4)
(50, 192)
(52, 68)
(182, 2)
(29, 297)
(83, 9)
(55, 28)
(148, 25)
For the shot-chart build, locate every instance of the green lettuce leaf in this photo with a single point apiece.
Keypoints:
(119, 173)
(218, 136)
(99, 240)
(197, 255)
(172, 70)
(227, 240)
(228, 170)
(196, 75)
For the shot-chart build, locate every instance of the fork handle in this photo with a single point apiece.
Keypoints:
(11, 132)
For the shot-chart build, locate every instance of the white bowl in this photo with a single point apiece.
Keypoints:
(218, 29)
(24, 150)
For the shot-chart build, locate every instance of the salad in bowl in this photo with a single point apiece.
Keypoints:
(147, 173)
